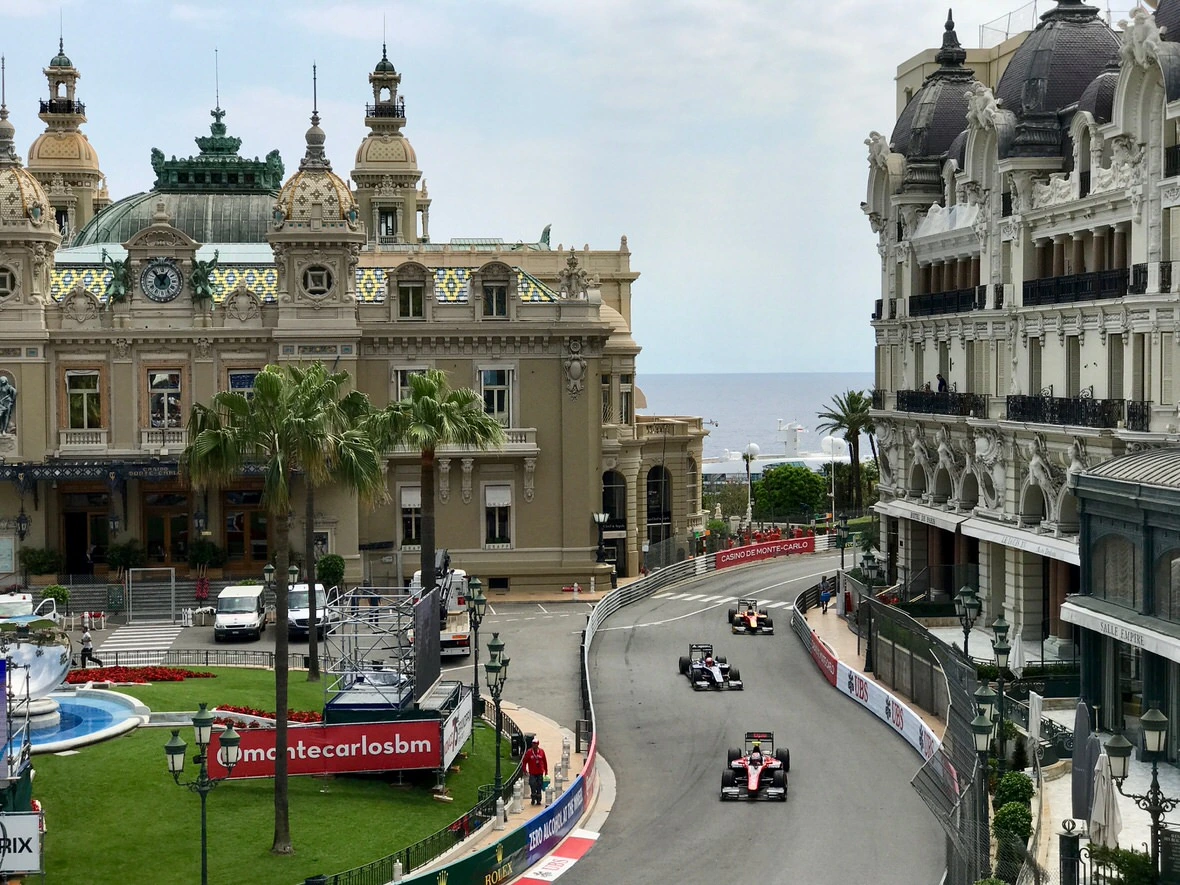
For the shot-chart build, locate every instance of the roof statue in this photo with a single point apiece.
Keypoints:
(201, 278)
(119, 288)
(982, 107)
(218, 168)
(878, 150)
(573, 282)
(545, 235)
(1141, 38)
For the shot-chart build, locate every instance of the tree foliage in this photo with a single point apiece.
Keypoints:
(848, 414)
(790, 489)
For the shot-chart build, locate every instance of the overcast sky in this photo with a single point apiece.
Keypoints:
(723, 137)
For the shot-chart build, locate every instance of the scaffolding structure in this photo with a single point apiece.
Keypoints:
(368, 648)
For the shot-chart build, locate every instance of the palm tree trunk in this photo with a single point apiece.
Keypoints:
(854, 446)
(313, 643)
(282, 536)
(426, 561)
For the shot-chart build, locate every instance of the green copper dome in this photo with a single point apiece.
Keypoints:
(385, 66)
(61, 60)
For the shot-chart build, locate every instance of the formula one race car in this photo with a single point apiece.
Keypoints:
(748, 618)
(758, 772)
(705, 671)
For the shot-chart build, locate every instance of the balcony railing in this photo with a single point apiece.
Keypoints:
(1079, 411)
(394, 109)
(1165, 276)
(62, 106)
(518, 441)
(933, 403)
(82, 440)
(175, 439)
(878, 397)
(1138, 279)
(877, 308)
(1078, 287)
(955, 301)
(1172, 161)
(999, 297)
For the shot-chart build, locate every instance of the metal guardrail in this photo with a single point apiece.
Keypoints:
(200, 657)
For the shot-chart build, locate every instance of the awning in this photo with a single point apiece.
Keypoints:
(1043, 545)
(411, 497)
(928, 515)
(498, 496)
(889, 508)
(1120, 623)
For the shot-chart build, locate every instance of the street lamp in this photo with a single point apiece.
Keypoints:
(113, 523)
(981, 729)
(22, 523)
(1001, 649)
(228, 756)
(477, 605)
(749, 455)
(842, 536)
(967, 608)
(1154, 802)
(268, 576)
(200, 521)
(497, 675)
(600, 519)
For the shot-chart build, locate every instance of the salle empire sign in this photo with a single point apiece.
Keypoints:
(337, 749)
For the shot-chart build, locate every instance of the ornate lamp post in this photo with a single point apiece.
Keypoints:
(967, 608)
(477, 606)
(229, 755)
(600, 519)
(22, 523)
(113, 523)
(981, 729)
(842, 536)
(748, 456)
(200, 521)
(497, 675)
(1001, 649)
(1154, 802)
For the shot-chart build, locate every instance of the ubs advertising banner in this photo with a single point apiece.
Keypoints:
(904, 721)
(337, 749)
(767, 550)
(456, 729)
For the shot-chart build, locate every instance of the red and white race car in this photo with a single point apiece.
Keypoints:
(759, 771)
(749, 618)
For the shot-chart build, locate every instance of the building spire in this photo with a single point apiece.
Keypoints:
(314, 158)
(952, 54)
(8, 155)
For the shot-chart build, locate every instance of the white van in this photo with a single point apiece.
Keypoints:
(240, 612)
(298, 610)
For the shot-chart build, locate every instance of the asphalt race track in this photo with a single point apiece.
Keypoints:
(851, 815)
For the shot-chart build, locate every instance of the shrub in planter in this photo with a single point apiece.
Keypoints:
(1134, 867)
(1015, 786)
(126, 556)
(59, 594)
(40, 560)
(1013, 819)
(1020, 754)
(329, 570)
(205, 553)
(990, 880)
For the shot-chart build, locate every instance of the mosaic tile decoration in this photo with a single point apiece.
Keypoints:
(451, 284)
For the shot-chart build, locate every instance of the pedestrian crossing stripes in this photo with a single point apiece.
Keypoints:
(148, 637)
(700, 597)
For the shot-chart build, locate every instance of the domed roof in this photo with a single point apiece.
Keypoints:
(1167, 17)
(958, 149)
(1098, 99)
(63, 150)
(22, 199)
(620, 335)
(211, 217)
(935, 115)
(61, 60)
(382, 150)
(1058, 60)
(385, 66)
(315, 184)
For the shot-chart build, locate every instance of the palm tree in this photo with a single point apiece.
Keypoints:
(849, 412)
(282, 430)
(323, 390)
(434, 415)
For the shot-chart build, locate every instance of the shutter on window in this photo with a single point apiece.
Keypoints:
(1167, 348)
(1001, 368)
(1073, 366)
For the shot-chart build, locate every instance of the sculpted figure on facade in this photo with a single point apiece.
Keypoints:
(1041, 471)
(982, 107)
(1141, 38)
(573, 282)
(920, 452)
(1057, 189)
(947, 459)
(1078, 459)
(878, 150)
(7, 405)
(575, 368)
(991, 471)
(1125, 169)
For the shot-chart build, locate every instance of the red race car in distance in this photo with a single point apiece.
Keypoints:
(749, 618)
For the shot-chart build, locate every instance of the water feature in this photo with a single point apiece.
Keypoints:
(87, 716)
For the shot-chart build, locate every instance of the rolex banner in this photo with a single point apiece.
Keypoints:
(337, 749)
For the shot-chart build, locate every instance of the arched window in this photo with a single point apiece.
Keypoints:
(691, 485)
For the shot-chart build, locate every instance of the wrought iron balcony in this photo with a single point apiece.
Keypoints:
(1165, 276)
(1138, 279)
(955, 301)
(999, 297)
(1077, 287)
(392, 109)
(878, 397)
(930, 402)
(1080, 411)
(62, 106)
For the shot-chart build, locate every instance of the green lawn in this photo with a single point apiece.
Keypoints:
(113, 814)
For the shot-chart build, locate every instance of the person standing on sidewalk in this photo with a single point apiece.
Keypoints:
(536, 766)
(88, 649)
(825, 594)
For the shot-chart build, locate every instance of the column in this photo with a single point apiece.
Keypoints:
(1098, 248)
(974, 278)
(1041, 262)
(923, 279)
(401, 230)
(375, 230)
(1058, 255)
(964, 273)
(1120, 245)
(1078, 257)
(426, 224)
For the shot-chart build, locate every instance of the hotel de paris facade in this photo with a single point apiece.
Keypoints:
(95, 392)
(1027, 209)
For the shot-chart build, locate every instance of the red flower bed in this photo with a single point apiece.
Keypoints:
(292, 715)
(133, 674)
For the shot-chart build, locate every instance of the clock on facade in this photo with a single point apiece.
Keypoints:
(160, 280)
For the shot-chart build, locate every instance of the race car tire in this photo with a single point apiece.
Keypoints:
(783, 755)
(734, 675)
(762, 612)
(732, 755)
(780, 780)
(732, 614)
(685, 666)
(721, 660)
(768, 624)
(728, 779)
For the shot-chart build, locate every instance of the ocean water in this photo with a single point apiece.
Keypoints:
(746, 408)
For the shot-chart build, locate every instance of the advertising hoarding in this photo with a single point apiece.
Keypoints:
(765, 550)
(456, 728)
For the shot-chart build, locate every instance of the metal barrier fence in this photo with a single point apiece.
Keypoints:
(200, 657)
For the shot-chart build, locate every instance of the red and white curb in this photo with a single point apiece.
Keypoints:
(564, 856)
